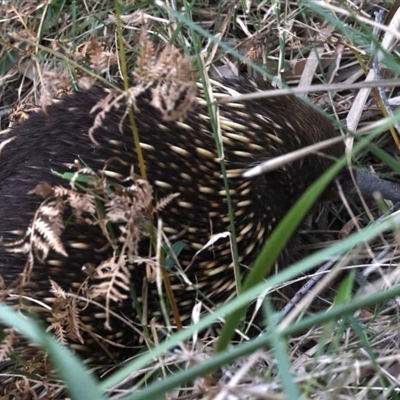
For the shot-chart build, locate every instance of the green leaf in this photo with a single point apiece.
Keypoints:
(9, 59)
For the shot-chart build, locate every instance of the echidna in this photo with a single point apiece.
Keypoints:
(180, 157)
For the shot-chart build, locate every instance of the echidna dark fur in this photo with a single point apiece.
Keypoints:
(180, 158)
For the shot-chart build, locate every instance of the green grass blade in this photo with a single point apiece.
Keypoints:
(80, 383)
(158, 389)
(275, 244)
(300, 267)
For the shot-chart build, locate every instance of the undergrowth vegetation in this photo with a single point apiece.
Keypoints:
(339, 337)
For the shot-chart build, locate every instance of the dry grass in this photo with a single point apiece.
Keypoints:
(48, 49)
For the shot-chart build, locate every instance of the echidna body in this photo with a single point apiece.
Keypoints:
(180, 157)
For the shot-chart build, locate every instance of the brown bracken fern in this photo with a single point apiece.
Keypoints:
(124, 212)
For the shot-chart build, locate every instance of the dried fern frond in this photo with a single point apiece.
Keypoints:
(7, 344)
(147, 56)
(174, 99)
(65, 316)
(82, 204)
(44, 234)
(162, 203)
(130, 208)
(114, 278)
(100, 59)
(174, 90)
